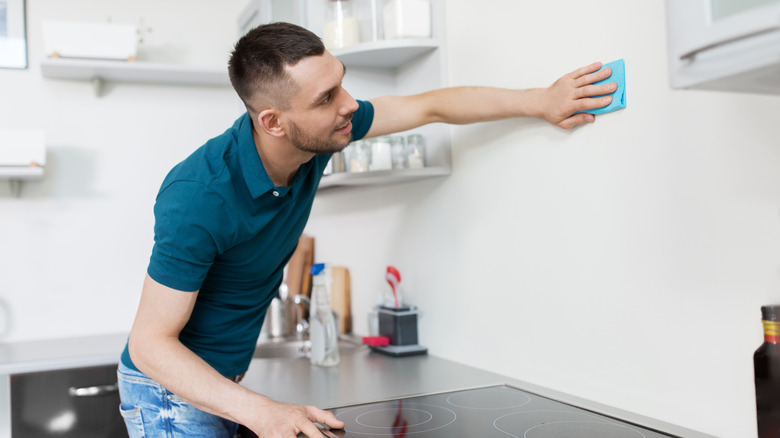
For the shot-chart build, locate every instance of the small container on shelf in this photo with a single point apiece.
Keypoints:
(359, 156)
(76, 39)
(399, 152)
(337, 163)
(415, 145)
(369, 14)
(407, 19)
(342, 28)
(381, 158)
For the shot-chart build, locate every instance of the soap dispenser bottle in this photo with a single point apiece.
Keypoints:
(323, 330)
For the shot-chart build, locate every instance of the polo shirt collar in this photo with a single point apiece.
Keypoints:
(256, 178)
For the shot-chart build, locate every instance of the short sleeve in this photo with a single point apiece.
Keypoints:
(362, 120)
(189, 219)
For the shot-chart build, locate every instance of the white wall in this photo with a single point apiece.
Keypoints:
(623, 262)
(74, 247)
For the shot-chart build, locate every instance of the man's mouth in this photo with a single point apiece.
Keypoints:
(346, 127)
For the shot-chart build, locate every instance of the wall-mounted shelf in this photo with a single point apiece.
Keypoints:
(381, 177)
(100, 71)
(385, 53)
(399, 67)
(21, 172)
(22, 156)
(16, 175)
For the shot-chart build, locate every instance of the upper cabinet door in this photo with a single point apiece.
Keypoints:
(711, 41)
(701, 25)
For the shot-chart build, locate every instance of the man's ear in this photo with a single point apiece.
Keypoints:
(268, 121)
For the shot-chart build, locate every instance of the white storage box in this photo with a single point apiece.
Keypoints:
(69, 39)
(22, 154)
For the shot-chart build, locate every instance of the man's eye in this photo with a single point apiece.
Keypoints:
(326, 100)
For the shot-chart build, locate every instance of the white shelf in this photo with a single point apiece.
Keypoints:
(385, 53)
(136, 71)
(381, 177)
(378, 54)
(21, 172)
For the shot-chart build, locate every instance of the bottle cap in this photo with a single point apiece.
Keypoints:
(770, 313)
(316, 269)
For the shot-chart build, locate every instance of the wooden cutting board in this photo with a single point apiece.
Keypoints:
(340, 298)
(298, 277)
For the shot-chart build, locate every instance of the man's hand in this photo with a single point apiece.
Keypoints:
(284, 420)
(574, 92)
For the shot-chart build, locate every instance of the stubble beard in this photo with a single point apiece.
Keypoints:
(316, 145)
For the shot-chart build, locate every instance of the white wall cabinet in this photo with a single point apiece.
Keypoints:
(727, 45)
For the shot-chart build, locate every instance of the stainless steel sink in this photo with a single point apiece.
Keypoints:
(299, 348)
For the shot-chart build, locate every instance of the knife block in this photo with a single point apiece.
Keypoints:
(399, 325)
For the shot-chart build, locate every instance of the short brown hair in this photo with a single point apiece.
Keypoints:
(257, 64)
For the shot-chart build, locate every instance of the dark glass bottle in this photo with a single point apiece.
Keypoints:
(766, 364)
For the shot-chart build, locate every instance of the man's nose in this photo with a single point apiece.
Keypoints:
(350, 104)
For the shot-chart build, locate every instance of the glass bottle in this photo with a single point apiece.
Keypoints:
(323, 330)
(415, 144)
(342, 28)
(766, 365)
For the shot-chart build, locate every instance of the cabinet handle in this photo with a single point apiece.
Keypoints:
(93, 391)
(692, 54)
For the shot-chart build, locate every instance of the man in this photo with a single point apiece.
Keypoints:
(228, 218)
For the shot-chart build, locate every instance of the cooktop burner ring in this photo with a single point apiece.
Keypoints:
(425, 418)
(556, 423)
(357, 419)
(581, 430)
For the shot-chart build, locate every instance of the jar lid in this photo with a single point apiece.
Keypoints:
(770, 313)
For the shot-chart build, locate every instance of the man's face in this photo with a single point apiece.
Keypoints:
(319, 118)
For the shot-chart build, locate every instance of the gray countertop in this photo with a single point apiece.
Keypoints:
(365, 376)
(52, 354)
(362, 376)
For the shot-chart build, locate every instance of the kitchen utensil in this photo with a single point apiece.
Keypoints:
(393, 278)
(279, 318)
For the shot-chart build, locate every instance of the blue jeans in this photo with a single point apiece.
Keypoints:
(151, 411)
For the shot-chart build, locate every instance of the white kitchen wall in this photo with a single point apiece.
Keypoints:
(623, 262)
(74, 247)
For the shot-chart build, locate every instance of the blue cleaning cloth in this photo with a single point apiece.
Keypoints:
(618, 96)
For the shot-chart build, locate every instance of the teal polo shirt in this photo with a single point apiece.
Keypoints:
(223, 228)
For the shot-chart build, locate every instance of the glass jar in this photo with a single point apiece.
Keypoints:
(341, 25)
(407, 19)
(359, 157)
(398, 152)
(369, 13)
(381, 158)
(415, 145)
(338, 163)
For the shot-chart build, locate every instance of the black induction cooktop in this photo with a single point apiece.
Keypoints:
(495, 411)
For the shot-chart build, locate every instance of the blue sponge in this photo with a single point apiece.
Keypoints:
(619, 95)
